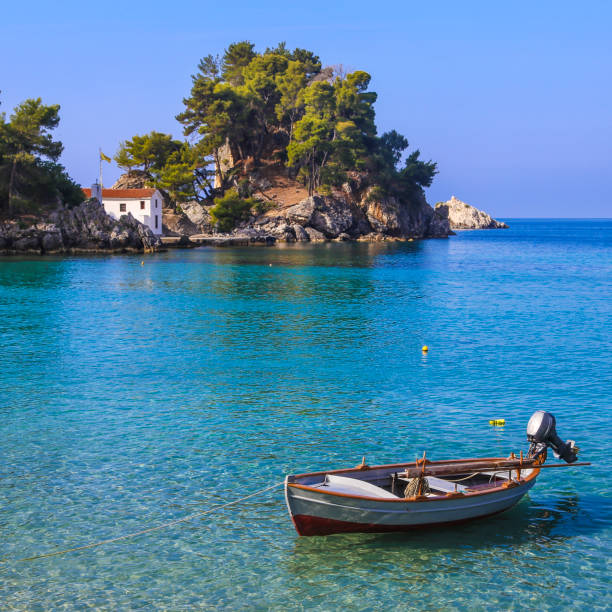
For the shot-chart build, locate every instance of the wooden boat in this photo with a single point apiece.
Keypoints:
(405, 496)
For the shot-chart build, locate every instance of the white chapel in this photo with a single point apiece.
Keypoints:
(144, 204)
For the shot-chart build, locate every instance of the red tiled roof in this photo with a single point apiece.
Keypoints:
(123, 194)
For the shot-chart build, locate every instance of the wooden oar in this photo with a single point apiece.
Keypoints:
(480, 466)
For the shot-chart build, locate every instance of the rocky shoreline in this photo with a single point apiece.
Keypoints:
(84, 229)
(314, 219)
(347, 216)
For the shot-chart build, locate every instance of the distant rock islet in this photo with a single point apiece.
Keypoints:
(464, 216)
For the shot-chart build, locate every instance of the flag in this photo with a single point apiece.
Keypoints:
(104, 157)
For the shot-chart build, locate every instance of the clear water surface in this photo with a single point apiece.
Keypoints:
(134, 393)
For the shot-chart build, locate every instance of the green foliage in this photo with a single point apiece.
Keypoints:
(53, 176)
(30, 177)
(391, 147)
(210, 65)
(310, 61)
(149, 152)
(215, 113)
(311, 147)
(245, 100)
(28, 131)
(403, 182)
(236, 57)
(175, 167)
(262, 206)
(176, 178)
(244, 188)
(261, 92)
(290, 85)
(283, 105)
(43, 185)
(418, 172)
(185, 175)
(336, 131)
(230, 209)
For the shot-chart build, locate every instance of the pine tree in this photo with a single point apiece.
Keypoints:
(25, 143)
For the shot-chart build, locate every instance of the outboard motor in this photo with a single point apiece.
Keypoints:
(541, 433)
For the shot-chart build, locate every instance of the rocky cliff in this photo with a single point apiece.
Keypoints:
(356, 212)
(134, 179)
(187, 219)
(83, 229)
(463, 216)
(319, 218)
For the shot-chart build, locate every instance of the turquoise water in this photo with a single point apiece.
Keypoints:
(135, 394)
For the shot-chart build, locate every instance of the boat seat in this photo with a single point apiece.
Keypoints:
(353, 486)
(446, 486)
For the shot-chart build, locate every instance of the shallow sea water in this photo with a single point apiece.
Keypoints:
(132, 394)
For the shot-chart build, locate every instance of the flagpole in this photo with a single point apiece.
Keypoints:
(100, 157)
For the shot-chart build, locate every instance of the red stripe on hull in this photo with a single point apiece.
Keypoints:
(307, 525)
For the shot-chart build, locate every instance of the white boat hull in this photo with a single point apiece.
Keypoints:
(315, 511)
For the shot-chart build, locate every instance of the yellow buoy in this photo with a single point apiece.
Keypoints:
(497, 422)
(142, 263)
(425, 348)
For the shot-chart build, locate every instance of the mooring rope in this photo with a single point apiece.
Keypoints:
(461, 479)
(143, 531)
(417, 486)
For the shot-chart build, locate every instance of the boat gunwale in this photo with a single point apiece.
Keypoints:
(535, 470)
(404, 464)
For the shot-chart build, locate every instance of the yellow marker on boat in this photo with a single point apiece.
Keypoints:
(425, 348)
(497, 422)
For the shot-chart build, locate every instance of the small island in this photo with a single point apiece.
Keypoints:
(282, 149)
(276, 148)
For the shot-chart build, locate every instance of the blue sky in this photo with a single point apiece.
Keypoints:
(513, 100)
